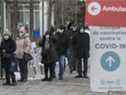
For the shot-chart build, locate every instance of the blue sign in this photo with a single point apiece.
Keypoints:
(110, 61)
(36, 34)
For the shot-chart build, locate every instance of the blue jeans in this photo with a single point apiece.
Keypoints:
(69, 57)
(61, 60)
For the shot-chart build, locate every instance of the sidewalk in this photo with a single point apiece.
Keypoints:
(69, 86)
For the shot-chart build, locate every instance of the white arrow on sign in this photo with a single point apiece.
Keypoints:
(110, 60)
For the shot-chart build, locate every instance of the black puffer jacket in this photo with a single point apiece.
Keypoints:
(81, 45)
(8, 47)
(61, 43)
(48, 55)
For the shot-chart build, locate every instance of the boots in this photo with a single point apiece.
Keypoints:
(14, 82)
(6, 84)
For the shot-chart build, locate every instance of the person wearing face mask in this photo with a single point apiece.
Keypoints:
(70, 33)
(8, 47)
(23, 46)
(48, 56)
(81, 43)
(61, 49)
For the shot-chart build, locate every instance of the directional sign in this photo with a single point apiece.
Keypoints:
(110, 61)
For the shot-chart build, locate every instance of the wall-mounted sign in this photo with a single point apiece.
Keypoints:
(106, 12)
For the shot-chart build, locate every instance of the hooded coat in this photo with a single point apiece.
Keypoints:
(48, 54)
(81, 45)
(8, 48)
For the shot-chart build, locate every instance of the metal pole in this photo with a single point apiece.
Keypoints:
(42, 17)
(14, 18)
(2, 16)
(62, 10)
(56, 13)
(77, 7)
(84, 12)
(1, 30)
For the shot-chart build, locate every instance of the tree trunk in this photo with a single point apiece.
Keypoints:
(31, 18)
(50, 12)
(14, 18)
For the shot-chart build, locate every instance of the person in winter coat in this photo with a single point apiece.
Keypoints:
(61, 45)
(23, 46)
(48, 57)
(8, 47)
(70, 55)
(81, 45)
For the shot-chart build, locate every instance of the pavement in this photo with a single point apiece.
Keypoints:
(68, 86)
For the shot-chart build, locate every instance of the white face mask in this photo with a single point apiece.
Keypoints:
(47, 36)
(74, 28)
(81, 30)
(21, 34)
(87, 31)
(60, 30)
(6, 37)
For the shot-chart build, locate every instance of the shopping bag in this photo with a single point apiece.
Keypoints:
(17, 75)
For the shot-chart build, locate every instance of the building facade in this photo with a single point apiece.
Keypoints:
(1, 16)
(32, 13)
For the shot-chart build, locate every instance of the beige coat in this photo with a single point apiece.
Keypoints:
(23, 45)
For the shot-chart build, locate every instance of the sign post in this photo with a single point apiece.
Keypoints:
(108, 44)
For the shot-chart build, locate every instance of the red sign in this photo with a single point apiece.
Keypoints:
(106, 12)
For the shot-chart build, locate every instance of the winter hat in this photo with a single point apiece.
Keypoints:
(23, 29)
(7, 32)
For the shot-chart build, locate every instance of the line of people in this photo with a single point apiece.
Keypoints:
(69, 41)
